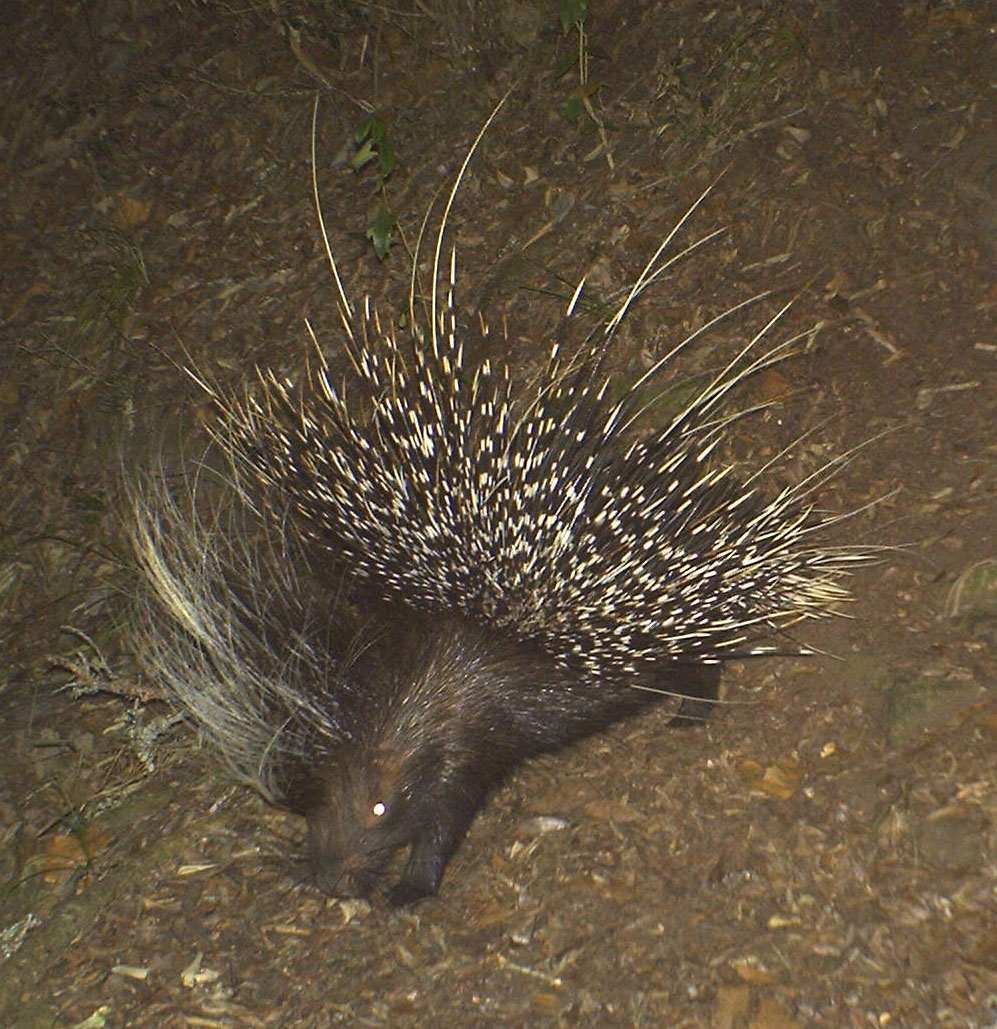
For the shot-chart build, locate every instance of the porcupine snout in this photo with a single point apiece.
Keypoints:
(353, 831)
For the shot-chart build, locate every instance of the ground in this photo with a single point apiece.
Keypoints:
(824, 851)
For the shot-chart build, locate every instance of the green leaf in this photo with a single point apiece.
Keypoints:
(389, 159)
(366, 154)
(378, 130)
(381, 231)
(565, 64)
(574, 109)
(363, 130)
(573, 13)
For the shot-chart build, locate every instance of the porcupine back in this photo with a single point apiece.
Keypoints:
(535, 513)
(533, 510)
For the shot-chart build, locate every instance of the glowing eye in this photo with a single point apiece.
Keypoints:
(379, 808)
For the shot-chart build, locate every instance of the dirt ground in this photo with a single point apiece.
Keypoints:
(824, 851)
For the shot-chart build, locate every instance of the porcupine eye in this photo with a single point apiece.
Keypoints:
(374, 817)
(383, 815)
(373, 812)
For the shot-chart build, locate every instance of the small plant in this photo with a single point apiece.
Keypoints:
(578, 109)
(372, 142)
(572, 13)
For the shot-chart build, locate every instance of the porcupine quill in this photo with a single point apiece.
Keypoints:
(415, 600)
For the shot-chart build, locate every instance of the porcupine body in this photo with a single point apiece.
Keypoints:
(448, 576)
(384, 725)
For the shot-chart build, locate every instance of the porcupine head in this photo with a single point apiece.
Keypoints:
(432, 714)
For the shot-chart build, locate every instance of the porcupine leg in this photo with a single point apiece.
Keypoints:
(700, 688)
(423, 871)
(435, 845)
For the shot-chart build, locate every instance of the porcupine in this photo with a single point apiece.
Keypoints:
(463, 577)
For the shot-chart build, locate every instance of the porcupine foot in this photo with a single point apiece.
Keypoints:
(701, 690)
(436, 842)
(424, 869)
